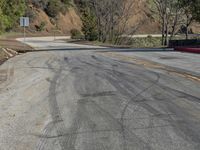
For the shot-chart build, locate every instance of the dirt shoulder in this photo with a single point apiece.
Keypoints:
(3, 56)
(11, 44)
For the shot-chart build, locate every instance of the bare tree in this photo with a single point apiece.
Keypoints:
(108, 13)
(187, 6)
(111, 17)
(170, 16)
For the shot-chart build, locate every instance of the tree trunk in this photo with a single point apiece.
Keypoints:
(99, 30)
(167, 36)
(187, 26)
(186, 34)
(174, 25)
(163, 31)
(112, 25)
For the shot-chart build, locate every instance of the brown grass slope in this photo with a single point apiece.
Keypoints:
(61, 24)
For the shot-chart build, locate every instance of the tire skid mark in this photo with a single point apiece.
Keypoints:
(146, 106)
(171, 121)
(127, 93)
(57, 121)
(184, 128)
(6, 75)
(43, 138)
(117, 124)
(125, 85)
(177, 125)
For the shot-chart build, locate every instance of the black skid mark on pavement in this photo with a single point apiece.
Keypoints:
(66, 59)
(106, 73)
(98, 94)
(126, 133)
(57, 123)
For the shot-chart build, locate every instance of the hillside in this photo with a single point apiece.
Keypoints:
(141, 20)
(63, 22)
(67, 17)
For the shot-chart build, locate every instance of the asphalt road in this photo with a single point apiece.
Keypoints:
(97, 100)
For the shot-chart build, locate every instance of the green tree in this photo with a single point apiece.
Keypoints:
(196, 10)
(191, 9)
(10, 12)
(89, 27)
(53, 8)
(67, 2)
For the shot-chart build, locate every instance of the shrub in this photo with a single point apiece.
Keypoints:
(41, 27)
(63, 9)
(10, 13)
(76, 34)
(53, 8)
(149, 37)
(39, 3)
(141, 42)
(89, 27)
(146, 42)
(67, 2)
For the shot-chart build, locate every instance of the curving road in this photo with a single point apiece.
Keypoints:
(97, 100)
